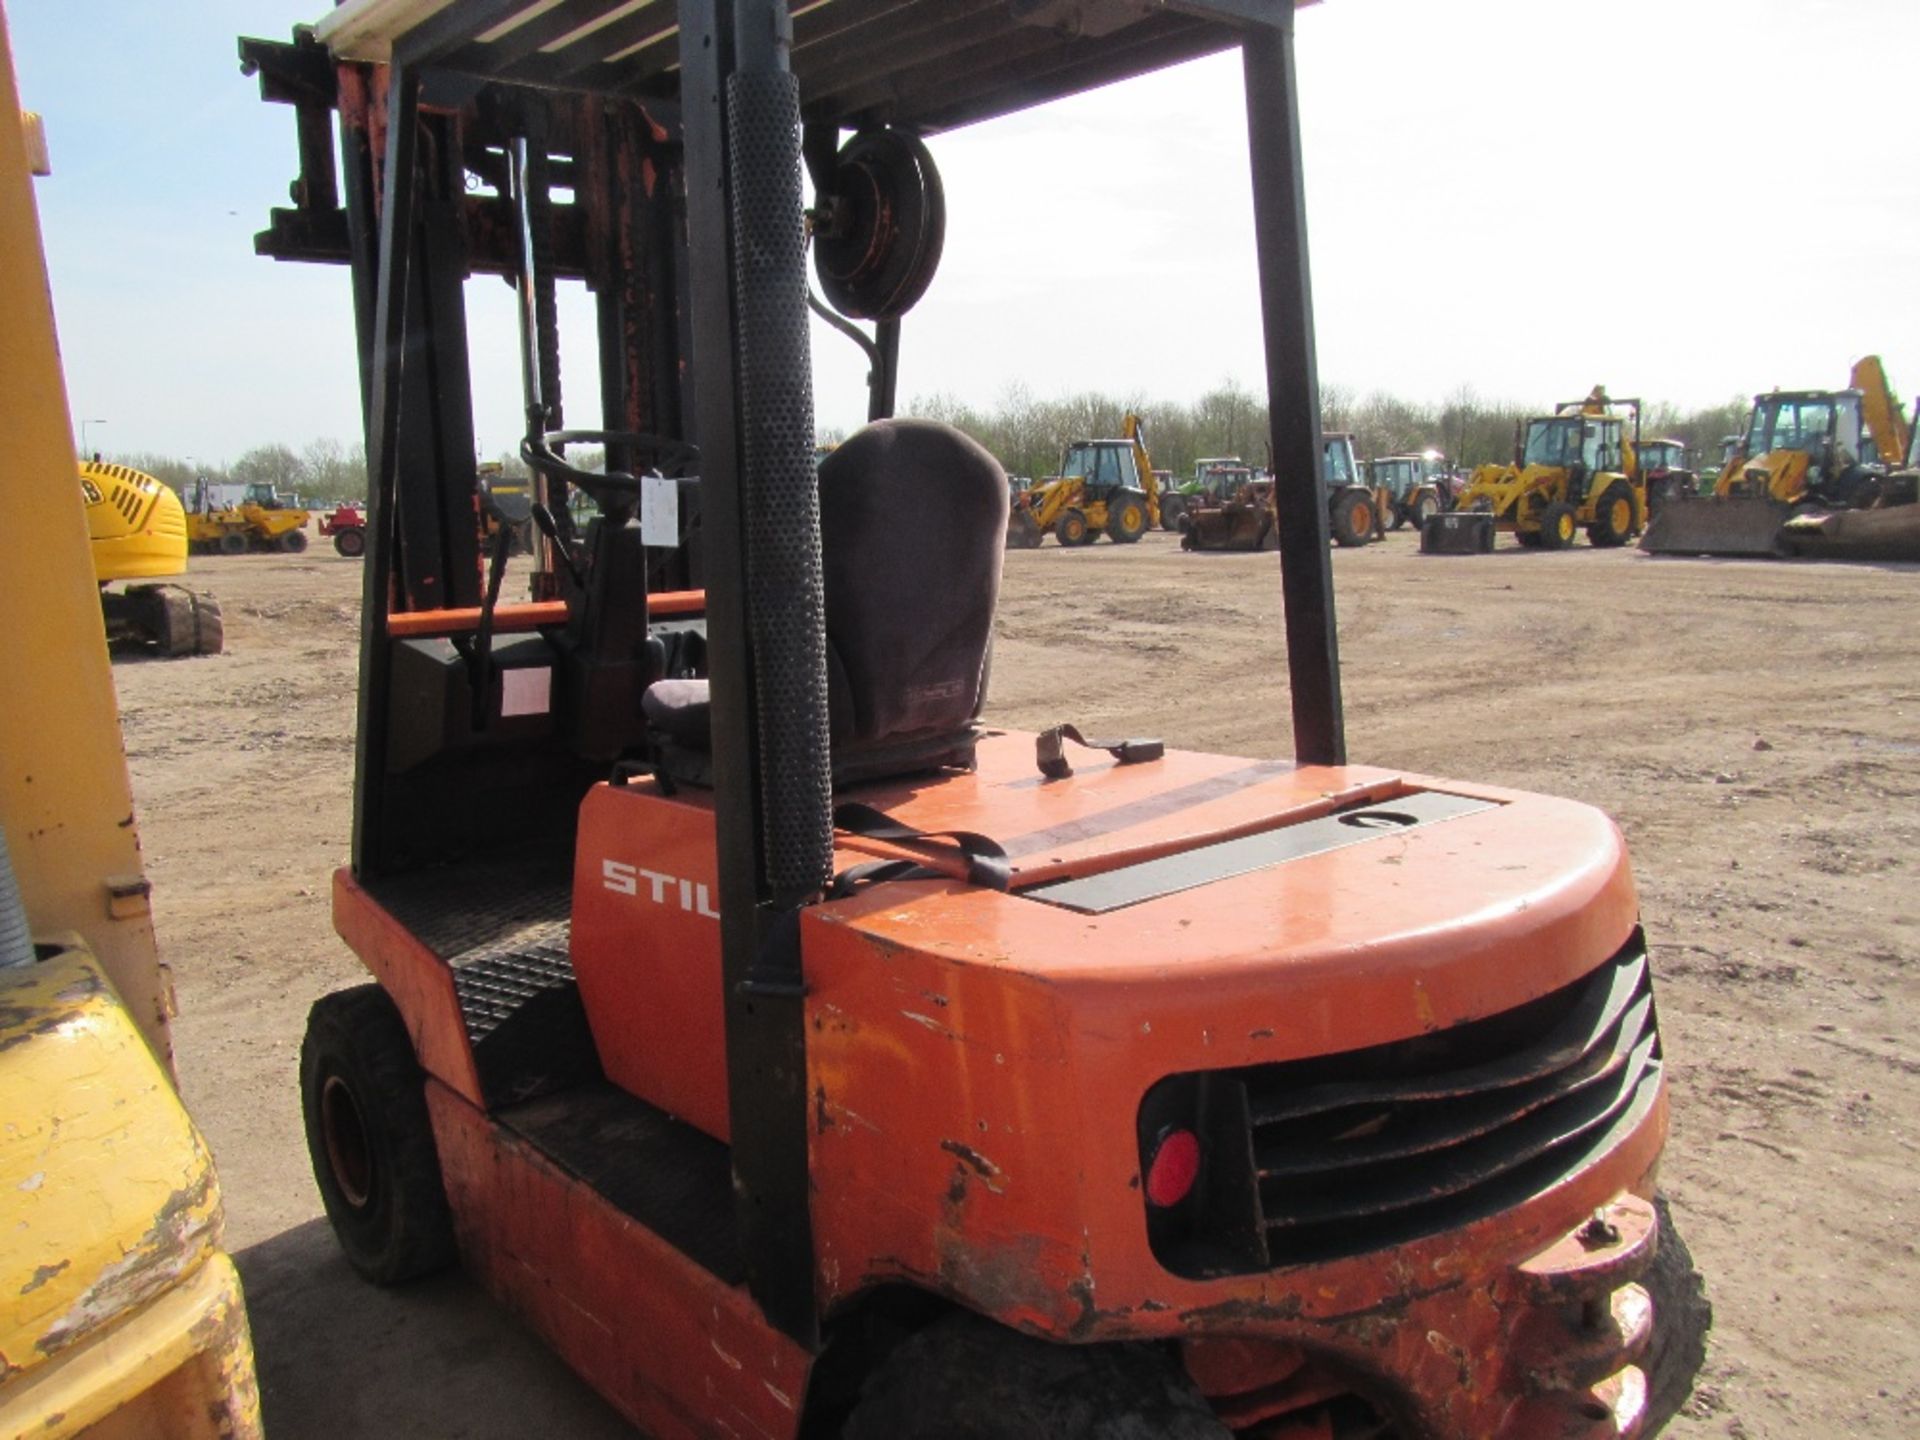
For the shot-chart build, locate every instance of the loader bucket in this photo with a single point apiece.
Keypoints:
(1230, 527)
(1890, 534)
(1463, 532)
(1023, 531)
(1717, 525)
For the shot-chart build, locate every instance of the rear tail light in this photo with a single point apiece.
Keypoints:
(1174, 1167)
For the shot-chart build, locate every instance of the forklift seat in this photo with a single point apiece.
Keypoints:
(913, 519)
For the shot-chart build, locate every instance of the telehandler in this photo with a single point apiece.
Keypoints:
(138, 530)
(121, 1316)
(800, 1056)
(1806, 454)
(1575, 469)
(1104, 487)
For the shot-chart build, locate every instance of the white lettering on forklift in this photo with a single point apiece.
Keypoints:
(624, 879)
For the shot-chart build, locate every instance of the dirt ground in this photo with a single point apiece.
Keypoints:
(1751, 725)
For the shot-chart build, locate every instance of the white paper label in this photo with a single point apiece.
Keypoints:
(659, 511)
(525, 692)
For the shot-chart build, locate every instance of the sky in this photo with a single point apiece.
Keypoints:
(1685, 200)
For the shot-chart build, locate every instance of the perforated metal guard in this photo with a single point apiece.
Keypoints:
(786, 600)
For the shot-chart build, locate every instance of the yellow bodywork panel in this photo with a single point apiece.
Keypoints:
(111, 1277)
(1779, 475)
(64, 796)
(136, 523)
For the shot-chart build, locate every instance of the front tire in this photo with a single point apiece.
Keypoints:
(1352, 518)
(1173, 509)
(965, 1378)
(350, 542)
(1126, 519)
(363, 1097)
(292, 542)
(1072, 528)
(1557, 527)
(1612, 523)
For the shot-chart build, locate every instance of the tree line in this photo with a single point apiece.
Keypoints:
(1028, 434)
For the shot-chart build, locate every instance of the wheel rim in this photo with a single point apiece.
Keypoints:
(1564, 527)
(344, 1129)
(1362, 517)
(1620, 517)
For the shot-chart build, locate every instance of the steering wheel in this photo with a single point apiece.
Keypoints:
(613, 489)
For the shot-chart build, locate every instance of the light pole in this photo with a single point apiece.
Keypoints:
(86, 452)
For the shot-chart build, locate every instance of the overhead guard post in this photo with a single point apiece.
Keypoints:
(1293, 391)
(745, 374)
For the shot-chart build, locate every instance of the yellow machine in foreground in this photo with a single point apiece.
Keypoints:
(1821, 452)
(138, 530)
(120, 1317)
(1574, 470)
(1103, 485)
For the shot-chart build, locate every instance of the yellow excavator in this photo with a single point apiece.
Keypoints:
(1573, 470)
(138, 530)
(1104, 486)
(1808, 457)
(120, 1313)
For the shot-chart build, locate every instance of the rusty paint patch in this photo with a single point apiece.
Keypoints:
(991, 1173)
(186, 1223)
(41, 1275)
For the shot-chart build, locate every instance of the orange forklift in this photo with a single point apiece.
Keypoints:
(798, 1054)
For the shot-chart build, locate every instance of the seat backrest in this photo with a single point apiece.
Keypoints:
(913, 518)
(913, 521)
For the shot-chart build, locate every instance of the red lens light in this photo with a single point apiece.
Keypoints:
(1173, 1169)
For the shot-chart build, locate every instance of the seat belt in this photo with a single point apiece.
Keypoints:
(987, 864)
(1050, 750)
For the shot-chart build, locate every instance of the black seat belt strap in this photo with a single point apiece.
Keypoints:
(1050, 750)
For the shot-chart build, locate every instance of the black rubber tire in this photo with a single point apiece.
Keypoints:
(1603, 533)
(1127, 519)
(363, 1097)
(350, 542)
(292, 542)
(964, 1378)
(232, 542)
(1423, 507)
(1346, 520)
(1173, 509)
(1682, 1316)
(1072, 529)
(1555, 531)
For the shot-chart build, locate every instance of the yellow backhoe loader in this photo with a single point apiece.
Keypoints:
(1807, 458)
(1246, 521)
(1103, 486)
(138, 532)
(120, 1314)
(1573, 470)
